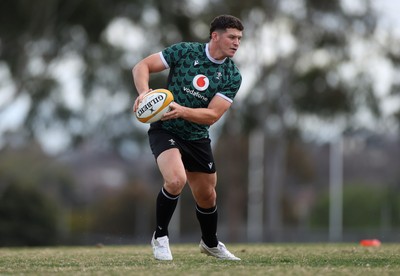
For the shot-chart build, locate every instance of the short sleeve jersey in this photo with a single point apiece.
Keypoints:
(194, 79)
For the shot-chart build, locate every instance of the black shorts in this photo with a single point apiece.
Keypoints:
(196, 155)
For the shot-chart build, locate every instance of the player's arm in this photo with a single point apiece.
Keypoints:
(204, 116)
(141, 74)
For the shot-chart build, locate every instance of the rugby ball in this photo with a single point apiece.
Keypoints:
(154, 105)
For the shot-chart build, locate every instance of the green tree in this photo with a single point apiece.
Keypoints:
(27, 217)
(363, 207)
(35, 191)
(123, 212)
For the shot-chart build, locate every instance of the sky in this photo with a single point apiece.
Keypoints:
(390, 10)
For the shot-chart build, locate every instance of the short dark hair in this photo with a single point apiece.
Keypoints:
(223, 22)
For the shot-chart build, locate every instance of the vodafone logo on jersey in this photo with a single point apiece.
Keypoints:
(201, 82)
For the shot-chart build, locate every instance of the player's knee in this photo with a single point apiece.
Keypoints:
(207, 199)
(175, 184)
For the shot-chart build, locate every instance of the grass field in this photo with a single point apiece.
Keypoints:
(257, 259)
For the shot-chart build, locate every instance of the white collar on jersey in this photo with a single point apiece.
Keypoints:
(213, 59)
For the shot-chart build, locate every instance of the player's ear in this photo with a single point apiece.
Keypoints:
(214, 35)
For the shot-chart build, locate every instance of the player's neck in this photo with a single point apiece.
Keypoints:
(215, 53)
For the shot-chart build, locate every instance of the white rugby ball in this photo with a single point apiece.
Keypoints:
(154, 105)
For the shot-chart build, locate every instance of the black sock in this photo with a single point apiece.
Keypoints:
(165, 207)
(208, 219)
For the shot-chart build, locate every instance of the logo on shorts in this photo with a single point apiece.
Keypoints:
(172, 141)
(201, 82)
(210, 165)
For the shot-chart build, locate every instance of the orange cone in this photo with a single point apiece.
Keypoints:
(373, 242)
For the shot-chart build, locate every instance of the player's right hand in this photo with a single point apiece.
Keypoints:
(139, 99)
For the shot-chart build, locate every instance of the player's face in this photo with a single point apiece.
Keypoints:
(229, 42)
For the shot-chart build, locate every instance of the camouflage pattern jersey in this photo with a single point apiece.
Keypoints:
(194, 79)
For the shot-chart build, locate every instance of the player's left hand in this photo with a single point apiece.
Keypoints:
(176, 112)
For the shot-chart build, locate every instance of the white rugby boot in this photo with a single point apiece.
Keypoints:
(219, 251)
(161, 249)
